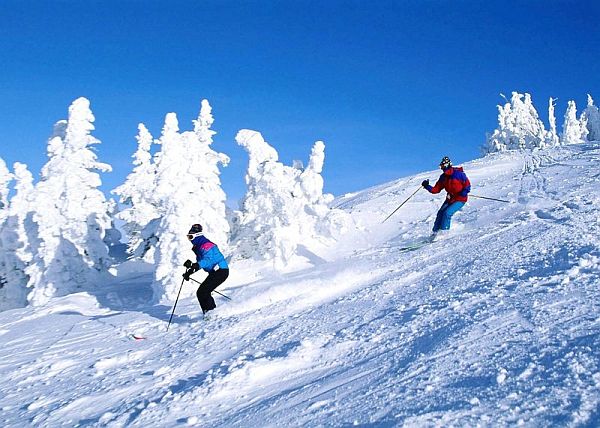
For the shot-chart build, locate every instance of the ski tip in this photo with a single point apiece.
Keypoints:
(137, 337)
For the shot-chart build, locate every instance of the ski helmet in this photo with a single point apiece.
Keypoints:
(445, 163)
(195, 230)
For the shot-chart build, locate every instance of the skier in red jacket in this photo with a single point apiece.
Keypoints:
(454, 181)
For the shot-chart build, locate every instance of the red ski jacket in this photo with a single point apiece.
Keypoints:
(455, 182)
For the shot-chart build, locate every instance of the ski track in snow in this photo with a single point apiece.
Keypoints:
(496, 325)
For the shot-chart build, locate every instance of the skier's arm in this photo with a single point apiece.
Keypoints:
(205, 264)
(201, 259)
(211, 258)
(438, 187)
(466, 187)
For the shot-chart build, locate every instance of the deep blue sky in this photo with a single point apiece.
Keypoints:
(390, 86)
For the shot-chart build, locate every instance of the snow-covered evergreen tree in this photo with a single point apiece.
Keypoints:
(267, 227)
(574, 130)
(166, 174)
(204, 168)
(283, 206)
(310, 182)
(71, 212)
(519, 126)
(168, 161)
(552, 133)
(138, 193)
(591, 116)
(5, 179)
(14, 239)
(189, 190)
(325, 221)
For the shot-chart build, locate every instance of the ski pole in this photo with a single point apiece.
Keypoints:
(218, 292)
(415, 192)
(491, 199)
(174, 306)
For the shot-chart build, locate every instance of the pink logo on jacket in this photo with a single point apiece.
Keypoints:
(206, 246)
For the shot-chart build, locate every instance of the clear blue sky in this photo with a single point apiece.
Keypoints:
(390, 86)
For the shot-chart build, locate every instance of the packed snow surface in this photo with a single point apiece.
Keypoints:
(497, 324)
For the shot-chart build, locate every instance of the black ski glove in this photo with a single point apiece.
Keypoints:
(187, 274)
(425, 183)
(187, 264)
(195, 267)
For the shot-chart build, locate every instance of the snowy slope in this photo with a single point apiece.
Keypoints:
(496, 325)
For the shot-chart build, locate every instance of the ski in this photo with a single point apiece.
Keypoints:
(414, 246)
(418, 244)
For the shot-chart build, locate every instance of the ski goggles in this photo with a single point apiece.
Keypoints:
(445, 164)
(191, 236)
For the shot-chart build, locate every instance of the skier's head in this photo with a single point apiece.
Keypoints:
(446, 163)
(195, 230)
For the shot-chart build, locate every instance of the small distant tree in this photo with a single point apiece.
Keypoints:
(283, 206)
(553, 138)
(72, 213)
(519, 126)
(266, 228)
(138, 193)
(591, 116)
(574, 130)
(327, 222)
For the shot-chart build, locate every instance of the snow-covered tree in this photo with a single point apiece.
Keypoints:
(574, 130)
(71, 212)
(310, 182)
(267, 227)
(166, 174)
(591, 116)
(14, 239)
(5, 179)
(283, 206)
(137, 193)
(168, 160)
(519, 126)
(204, 167)
(189, 190)
(552, 133)
(326, 222)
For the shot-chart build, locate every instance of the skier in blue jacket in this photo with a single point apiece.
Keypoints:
(211, 260)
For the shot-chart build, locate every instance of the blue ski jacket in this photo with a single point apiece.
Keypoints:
(207, 254)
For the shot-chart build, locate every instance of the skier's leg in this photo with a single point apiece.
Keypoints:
(204, 298)
(218, 278)
(206, 301)
(438, 219)
(212, 281)
(448, 213)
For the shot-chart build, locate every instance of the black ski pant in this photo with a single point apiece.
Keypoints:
(212, 281)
